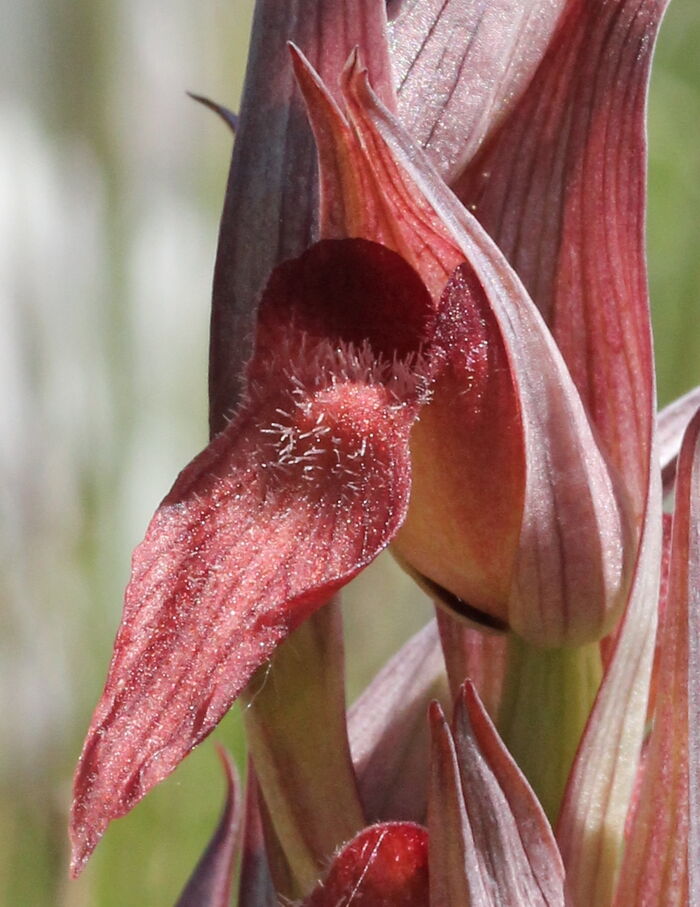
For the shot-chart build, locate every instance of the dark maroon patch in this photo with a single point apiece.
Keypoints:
(352, 290)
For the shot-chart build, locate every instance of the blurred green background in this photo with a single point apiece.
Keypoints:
(111, 182)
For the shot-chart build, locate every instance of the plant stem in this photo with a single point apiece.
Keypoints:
(547, 698)
(294, 713)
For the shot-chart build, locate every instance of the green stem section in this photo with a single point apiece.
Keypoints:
(547, 697)
(294, 711)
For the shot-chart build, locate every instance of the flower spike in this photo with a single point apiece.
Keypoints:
(430, 332)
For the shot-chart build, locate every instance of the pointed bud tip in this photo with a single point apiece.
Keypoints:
(228, 116)
(354, 72)
(469, 698)
(82, 847)
(228, 764)
(436, 715)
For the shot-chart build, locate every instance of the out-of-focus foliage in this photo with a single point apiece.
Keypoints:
(110, 186)
(674, 201)
(110, 183)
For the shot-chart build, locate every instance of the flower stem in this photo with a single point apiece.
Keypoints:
(294, 713)
(547, 697)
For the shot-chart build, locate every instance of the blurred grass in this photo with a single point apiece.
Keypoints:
(113, 186)
(111, 181)
(674, 201)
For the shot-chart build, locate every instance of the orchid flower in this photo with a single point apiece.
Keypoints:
(430, 333)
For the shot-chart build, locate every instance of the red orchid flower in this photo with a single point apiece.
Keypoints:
(476, 393)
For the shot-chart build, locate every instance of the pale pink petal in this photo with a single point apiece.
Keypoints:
(591, 824)
(655, 866)
(672, 423)
(586, 164)
(490, 841)
(461, 65)
(455, 871)
(388, 733)
(510, 826)
(561, 189)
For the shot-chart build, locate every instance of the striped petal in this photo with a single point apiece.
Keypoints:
(265, 524)
(388, 734)
(490, 842)
(672, 422)
(294, 714)
(655, 867)
(591, 824)
(460, 66)
(474, 654)
(271, 199)
(561, 189)
(255, 887)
